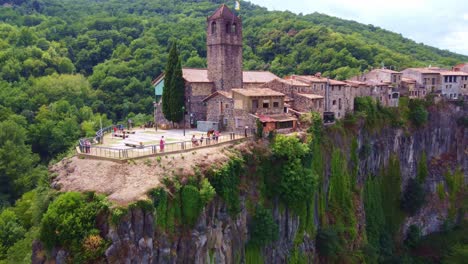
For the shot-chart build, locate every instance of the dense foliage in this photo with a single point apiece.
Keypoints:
(70, 222)
(263, 229)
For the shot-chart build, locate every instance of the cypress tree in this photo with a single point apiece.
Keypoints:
(173, 97)
(168, 82)
(177, 100)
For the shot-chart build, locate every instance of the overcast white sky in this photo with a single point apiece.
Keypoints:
(439, 23)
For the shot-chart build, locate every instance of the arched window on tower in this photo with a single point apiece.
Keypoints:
(228, 28)
(213, 28)
(234, 28)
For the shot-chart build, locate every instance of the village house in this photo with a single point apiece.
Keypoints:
(427, 79)
(453, 84)
(461, 67)
(410, 89)
(383, 75)
(299, 95)
(263, 104)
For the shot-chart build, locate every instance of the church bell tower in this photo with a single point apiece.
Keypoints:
(224, 49)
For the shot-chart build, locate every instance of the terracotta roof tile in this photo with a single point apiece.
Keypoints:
(258, 76)
(201, 76)
(222, 93)
(311, 96)
(251, 92)
(454, 73)
(386, 70)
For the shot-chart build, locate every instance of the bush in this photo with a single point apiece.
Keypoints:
(207, 192)
(263, 229)
(413, 237)
(418, 113)
(226, 181)
(70, 219)
(327, 242)
(11, 231)
(191, 205)
(413, 197)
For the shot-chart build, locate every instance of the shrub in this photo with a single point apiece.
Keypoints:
(418, 113)
(327, 242)
(191, 205)
(413, 197)
(69, 219)
(422, 168)
(263, 229)
(207, 192)
(226, 181)
(413, 237)
(10, 231)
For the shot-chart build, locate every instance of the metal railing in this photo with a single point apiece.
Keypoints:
(154, 150)
(96, 139)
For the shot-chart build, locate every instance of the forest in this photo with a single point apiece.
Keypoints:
(66, 67)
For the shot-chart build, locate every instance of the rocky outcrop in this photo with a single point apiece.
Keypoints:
(219, 238)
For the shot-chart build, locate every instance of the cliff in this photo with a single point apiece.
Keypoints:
(219, 236)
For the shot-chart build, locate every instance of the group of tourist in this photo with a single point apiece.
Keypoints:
(212, 135)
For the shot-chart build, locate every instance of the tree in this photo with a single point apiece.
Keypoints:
(413, 198)
(173, 98)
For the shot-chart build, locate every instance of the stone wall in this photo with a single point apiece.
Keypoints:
(194, 95)
(305, 104)
(219, 109)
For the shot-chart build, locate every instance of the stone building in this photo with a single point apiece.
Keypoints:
(410, 89)
(336, 94)
(427, 79)
(224, 72)
(453, 84)
(220, 110)
(461, 67)
(383, 75)
(299, 95)
(263, 104)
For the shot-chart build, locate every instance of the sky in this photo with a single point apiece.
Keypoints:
(442, 24)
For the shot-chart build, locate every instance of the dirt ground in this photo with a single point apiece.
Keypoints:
(129, 182)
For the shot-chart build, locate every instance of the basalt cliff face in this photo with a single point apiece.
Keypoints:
(220, 238)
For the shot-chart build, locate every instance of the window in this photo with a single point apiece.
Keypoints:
(227, 106)
(254, 104)
(339, 88)
(433, 81)
(322, 87)
(234, 28)
(339, 104)
(228, 28)
(287, 124)
(275, 104)
(266, 104)
(454, 78)
(334, 102)
(213, 28)
(333, 88)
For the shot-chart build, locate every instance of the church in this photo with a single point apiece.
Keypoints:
(223, 96)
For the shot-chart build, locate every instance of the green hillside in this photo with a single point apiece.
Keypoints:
(68, 67)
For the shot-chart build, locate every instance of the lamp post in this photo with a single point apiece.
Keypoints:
(183, 112)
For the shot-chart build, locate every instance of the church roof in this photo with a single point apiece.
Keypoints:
(260, 92)
(201, 76)
(225, 94)
(223, 12)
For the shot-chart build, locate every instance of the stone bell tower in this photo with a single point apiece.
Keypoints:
(224, 49)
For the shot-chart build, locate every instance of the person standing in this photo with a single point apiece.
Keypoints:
(201, 140)
(161, 144)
